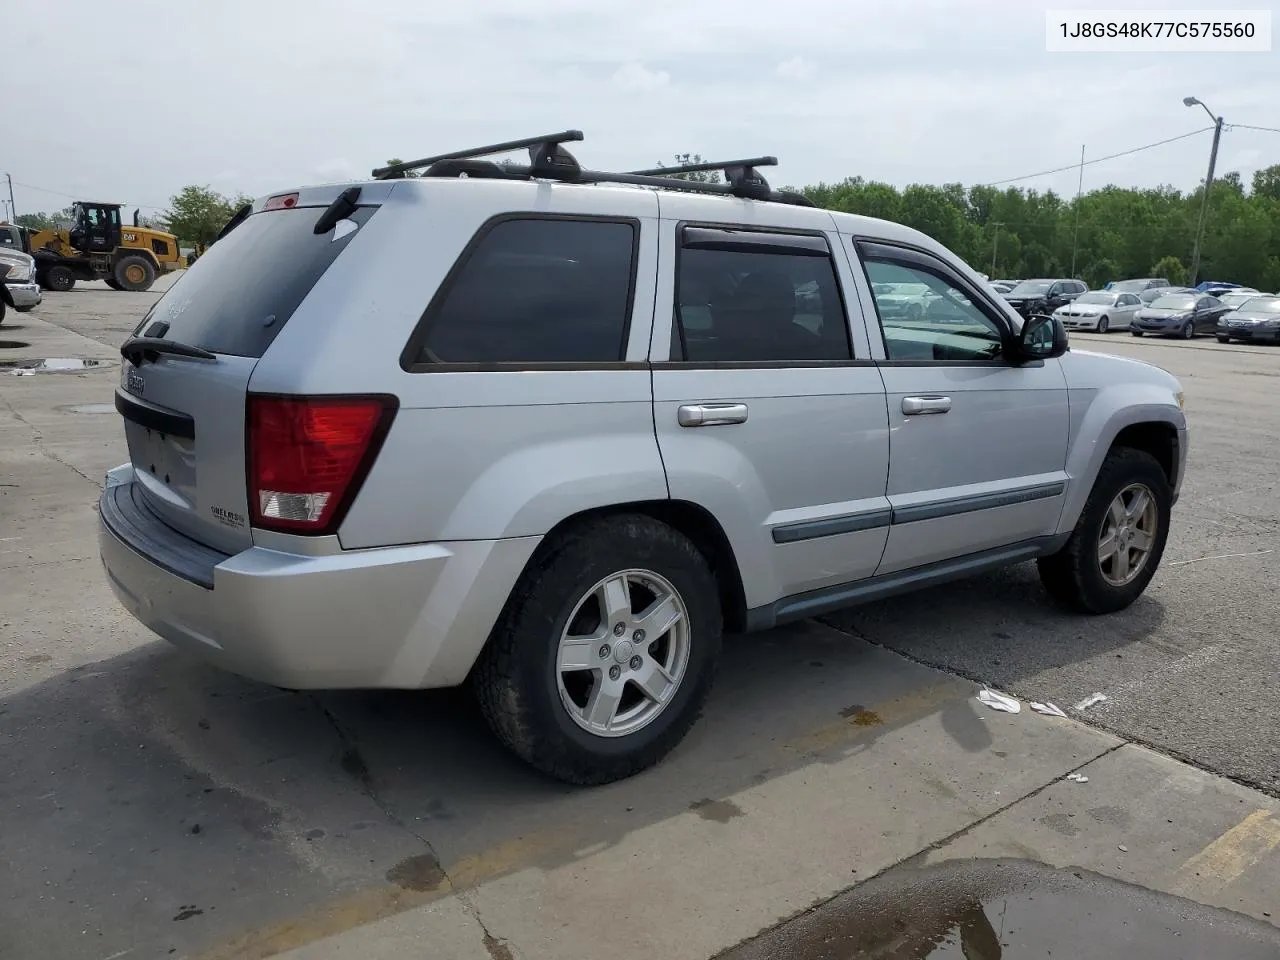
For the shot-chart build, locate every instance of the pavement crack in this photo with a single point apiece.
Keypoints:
(37, 438)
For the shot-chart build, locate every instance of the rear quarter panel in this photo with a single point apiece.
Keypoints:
(472, 454)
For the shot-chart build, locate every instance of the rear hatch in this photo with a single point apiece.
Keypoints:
(184, 416)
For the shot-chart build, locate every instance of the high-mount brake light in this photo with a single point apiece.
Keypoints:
(308, 457)
(284, 201)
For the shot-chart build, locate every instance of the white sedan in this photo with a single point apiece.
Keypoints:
(1099, 310)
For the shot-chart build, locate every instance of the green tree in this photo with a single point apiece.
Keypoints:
(34, 221)
(1171, 268)
(197, 214)
(1266, 182)
(697, 176)
(410, 174)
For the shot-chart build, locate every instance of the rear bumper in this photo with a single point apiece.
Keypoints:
(404, 617)
(25, 295)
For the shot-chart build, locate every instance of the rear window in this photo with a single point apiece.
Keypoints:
(536, 290)
(238, 296)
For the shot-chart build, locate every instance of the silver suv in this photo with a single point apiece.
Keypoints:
(552, 431)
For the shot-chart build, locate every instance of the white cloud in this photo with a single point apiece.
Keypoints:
(635, 77)
(922, 90)
(797, 68)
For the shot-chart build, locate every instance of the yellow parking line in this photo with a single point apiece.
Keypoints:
(1229, 856)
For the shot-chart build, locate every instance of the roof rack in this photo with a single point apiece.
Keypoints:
(549, 160)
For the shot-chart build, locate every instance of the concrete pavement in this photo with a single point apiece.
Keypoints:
(154, 804)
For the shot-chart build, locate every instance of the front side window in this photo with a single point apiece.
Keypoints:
(741, 300)
(537, 290)
(941, 324)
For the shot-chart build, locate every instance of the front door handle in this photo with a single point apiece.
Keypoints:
(711, 414)
(914, 406)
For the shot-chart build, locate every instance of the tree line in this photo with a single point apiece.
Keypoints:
(1107, 234)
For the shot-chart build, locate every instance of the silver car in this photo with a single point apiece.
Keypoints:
(1099, 310)
(18, 287)
(553, 437)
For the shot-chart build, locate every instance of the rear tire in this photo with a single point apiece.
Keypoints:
(1104, 324)
(1076, 576)
(113, 283)
(134, 273)
(59, 279)
(541, 704)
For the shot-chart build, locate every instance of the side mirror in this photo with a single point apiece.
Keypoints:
(1042, 338)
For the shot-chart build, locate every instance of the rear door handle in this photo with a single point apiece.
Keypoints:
(711, 414)
(914, 406)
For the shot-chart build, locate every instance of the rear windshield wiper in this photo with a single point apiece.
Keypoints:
(140, 350)
(237, 218)
(341, 208)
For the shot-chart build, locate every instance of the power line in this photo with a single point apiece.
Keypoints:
(1123, 153)
(72, 196)
(1245, 126)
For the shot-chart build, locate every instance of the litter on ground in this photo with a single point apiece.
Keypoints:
(999, 701)
(1090, 701)
(1048, 709)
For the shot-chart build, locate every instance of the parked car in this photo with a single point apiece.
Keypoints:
(1032, 297)
(1184, 315)
(587, 429)
(1137, 285)
(1234, 298)
(19, 290)
(1001, 286)
(1155, 293)
(1257, 319)
(1099, 310)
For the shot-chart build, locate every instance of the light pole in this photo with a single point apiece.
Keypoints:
(1208, 185)
(995, 240)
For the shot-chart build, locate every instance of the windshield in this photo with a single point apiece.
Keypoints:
(1096, 296)
(1031, 287)
(1129, 286)
(1235, 299)
(1260, 305)
(1175, 302)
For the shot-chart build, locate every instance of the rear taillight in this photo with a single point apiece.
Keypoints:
(308, 457)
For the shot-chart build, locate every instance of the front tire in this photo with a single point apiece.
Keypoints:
(605, 652)
(1118, 540)
(59, 279)
(112, 282)
(1104, 324)
(1188, 331)
(1224, 339)
(1136, 333)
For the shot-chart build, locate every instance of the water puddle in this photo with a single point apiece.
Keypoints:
(53, 365)
(13, 344)
(89, 408)
(1009, 910)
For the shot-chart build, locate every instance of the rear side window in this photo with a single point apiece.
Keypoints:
(238, 296)
(536, 290)
(755, 297)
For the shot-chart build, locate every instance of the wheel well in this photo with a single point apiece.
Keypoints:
(703, 529)
(1158, 439)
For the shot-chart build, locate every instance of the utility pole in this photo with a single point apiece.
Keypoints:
(995, 240)
(13, 210)
(1204, 203)
(1208, 185)
(1079, 190)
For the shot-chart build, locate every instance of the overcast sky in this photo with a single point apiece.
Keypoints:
(129, 101)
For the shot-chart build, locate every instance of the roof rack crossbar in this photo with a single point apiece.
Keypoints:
(546, 141)
(706, 165)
